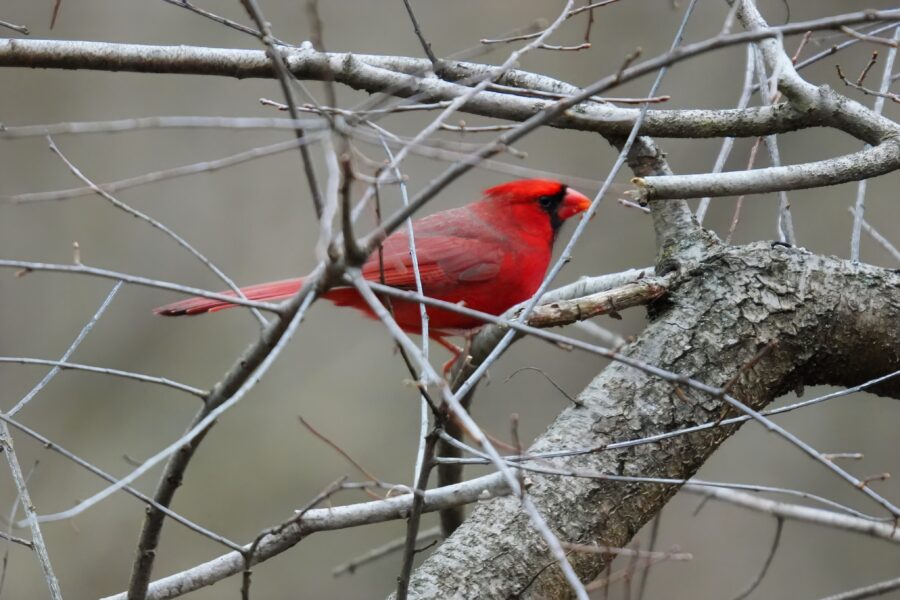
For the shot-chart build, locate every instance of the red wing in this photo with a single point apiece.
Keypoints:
(444, 261)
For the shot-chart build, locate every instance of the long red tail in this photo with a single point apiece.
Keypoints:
(276, 290)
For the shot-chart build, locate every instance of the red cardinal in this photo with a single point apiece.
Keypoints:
(490, 255)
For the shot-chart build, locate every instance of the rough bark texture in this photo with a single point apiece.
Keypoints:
(834, 323)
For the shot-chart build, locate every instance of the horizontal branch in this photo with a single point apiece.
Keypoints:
(785, 510)
(323, 519)
(27, 266)
(21, 360)
(871, 162)
(392, 74)
(564, 312)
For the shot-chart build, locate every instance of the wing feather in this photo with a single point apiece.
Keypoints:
(444, 261)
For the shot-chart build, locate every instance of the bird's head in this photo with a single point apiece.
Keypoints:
(538, 200)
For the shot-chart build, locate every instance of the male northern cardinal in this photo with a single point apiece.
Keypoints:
(489, 255)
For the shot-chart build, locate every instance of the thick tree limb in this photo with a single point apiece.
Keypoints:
(830, 320)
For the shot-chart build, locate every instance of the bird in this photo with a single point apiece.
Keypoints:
(488, 255)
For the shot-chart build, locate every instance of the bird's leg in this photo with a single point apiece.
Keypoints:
(454, 350)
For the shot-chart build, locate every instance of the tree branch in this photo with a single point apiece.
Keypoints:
(323, 519)
(373, 74)
(713, 326)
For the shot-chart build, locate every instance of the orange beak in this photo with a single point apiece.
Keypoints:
(573, 203)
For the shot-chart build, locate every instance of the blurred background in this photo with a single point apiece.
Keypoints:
(340, 372)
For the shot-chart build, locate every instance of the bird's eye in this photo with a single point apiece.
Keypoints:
(546, 201)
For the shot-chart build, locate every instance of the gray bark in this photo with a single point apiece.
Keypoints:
(834, 322)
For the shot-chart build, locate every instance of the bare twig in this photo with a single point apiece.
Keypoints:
(47, 443)
(885, 243)
(62, 365)
(31, 519)
(236, 383)
(156, 225)
(284, 76)
(182, 171)
(20, 28)
(221, 20)
(530, 36)
(173, 122)
(24, 267)
(415, 516)
(350, 567)
(325, 519)
(365, 472)
(860, 204)
(654, 537)
(796, 512)
(72, 347)
(874, 39)
(426, 46)
(869, 591)
(776, 540)
(867, 91)
(249, 554)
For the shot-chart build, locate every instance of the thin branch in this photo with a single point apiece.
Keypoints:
(776, 540)
(19, 28)
(31, 519)
(221, 20)
(25, 267)
(569, 15)
(846, 44)
(53, 446)
(867, 91)
(156, 225)
(334, 446)
(173, 122)
(600, 549)
(728, 143)
(885, 243)
(547, 469)
(236, 383)
(162, 175)
(785, 223)
(15, 540)
(372, 73)
(860, 205)
(874, 39)
(71, 349)
(325, 519)
(435, 63)
(63, 365)
(563, 312)
(350, 567)
(869, 591)
(796, 512)
(284, 75)
(415, 516)
(250, 553)
(654, 537)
